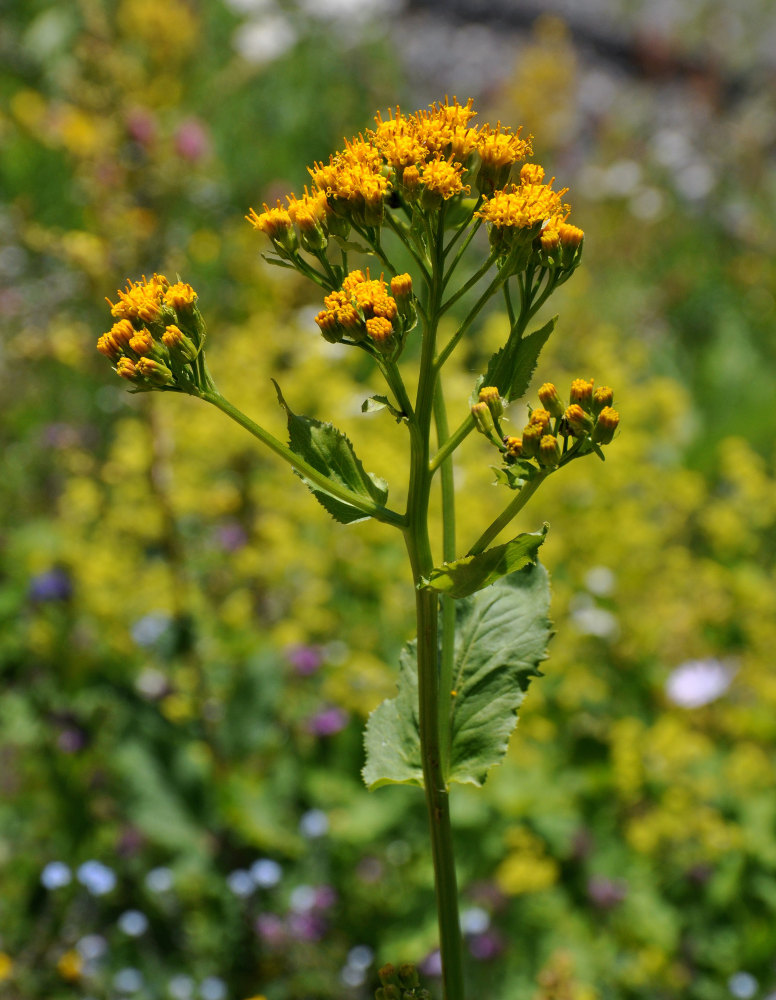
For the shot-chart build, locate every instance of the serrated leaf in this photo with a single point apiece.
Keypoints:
(330, 452)
(501, 636)
(392, 736)
(511, 368)
(472, 573)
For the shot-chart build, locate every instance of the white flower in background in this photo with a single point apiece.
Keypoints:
(96, 877)
(240, 882)
(743, 985)
(159, 879)
(349, 10)
(212, 988)
(181, 987)
(263, 41)
(265, 873)
(55, 875)
(128, 980)
(133, 923)
(314, 823)
(698, 682)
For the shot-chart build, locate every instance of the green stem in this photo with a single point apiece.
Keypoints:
(478, 274)
(451, 443)
(447, 482)
(308, 471)
(426, 605)
(453, 341)
(516, 505)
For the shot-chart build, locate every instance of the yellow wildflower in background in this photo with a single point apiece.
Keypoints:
(6, 966)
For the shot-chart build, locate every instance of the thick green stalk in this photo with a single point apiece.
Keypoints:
(340, 492)
(426, 606)
(447, 481)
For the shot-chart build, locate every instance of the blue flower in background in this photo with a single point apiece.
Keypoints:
(52, 585)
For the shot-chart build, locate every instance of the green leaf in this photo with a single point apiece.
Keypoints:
(375, 403)
(501, 636)
(349, 245)
(392, 736)
(511, 368)
(330, 452)
(472, 573)
(277, 261)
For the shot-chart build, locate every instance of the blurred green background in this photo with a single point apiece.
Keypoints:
(189, 646)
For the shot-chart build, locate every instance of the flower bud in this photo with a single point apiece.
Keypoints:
(550, 400)
(606, 425)
(602, 397)
(142, 342)
(579, 422)
(329, 326)
(126, 369)
(483, 419)
(549, 451)
(582, 393)
(155, 372)
(180, 297)
(276, 223)
(532, 435)
(411, 181)
(380, 332)
(179, 344)
(408, 976)
(540, 418)
(514, 446)
(387, 975)
(401, 290)
(490, 395)
(571, 239)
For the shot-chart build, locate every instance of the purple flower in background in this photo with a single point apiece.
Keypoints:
(71, 739)
(606, 893)
(192, 140)
(431, 965)
(304, 659)
(52, 585)
(325, 897)
(231, 536)
(698, 682)
(270, 928)
(307, 926)
(369, 870)
(486, 946)
(328, 721)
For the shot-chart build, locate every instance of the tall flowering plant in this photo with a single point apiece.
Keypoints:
(418, 188)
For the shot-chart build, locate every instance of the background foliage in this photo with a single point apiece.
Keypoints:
(189, 646)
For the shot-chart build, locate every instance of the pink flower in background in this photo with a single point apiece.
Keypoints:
(141, 126)
(192, 140)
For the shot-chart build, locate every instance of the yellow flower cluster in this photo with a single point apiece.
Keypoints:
(524, 205)
(589, 414)
(157, 331)
(429, 155)
(364, 311)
